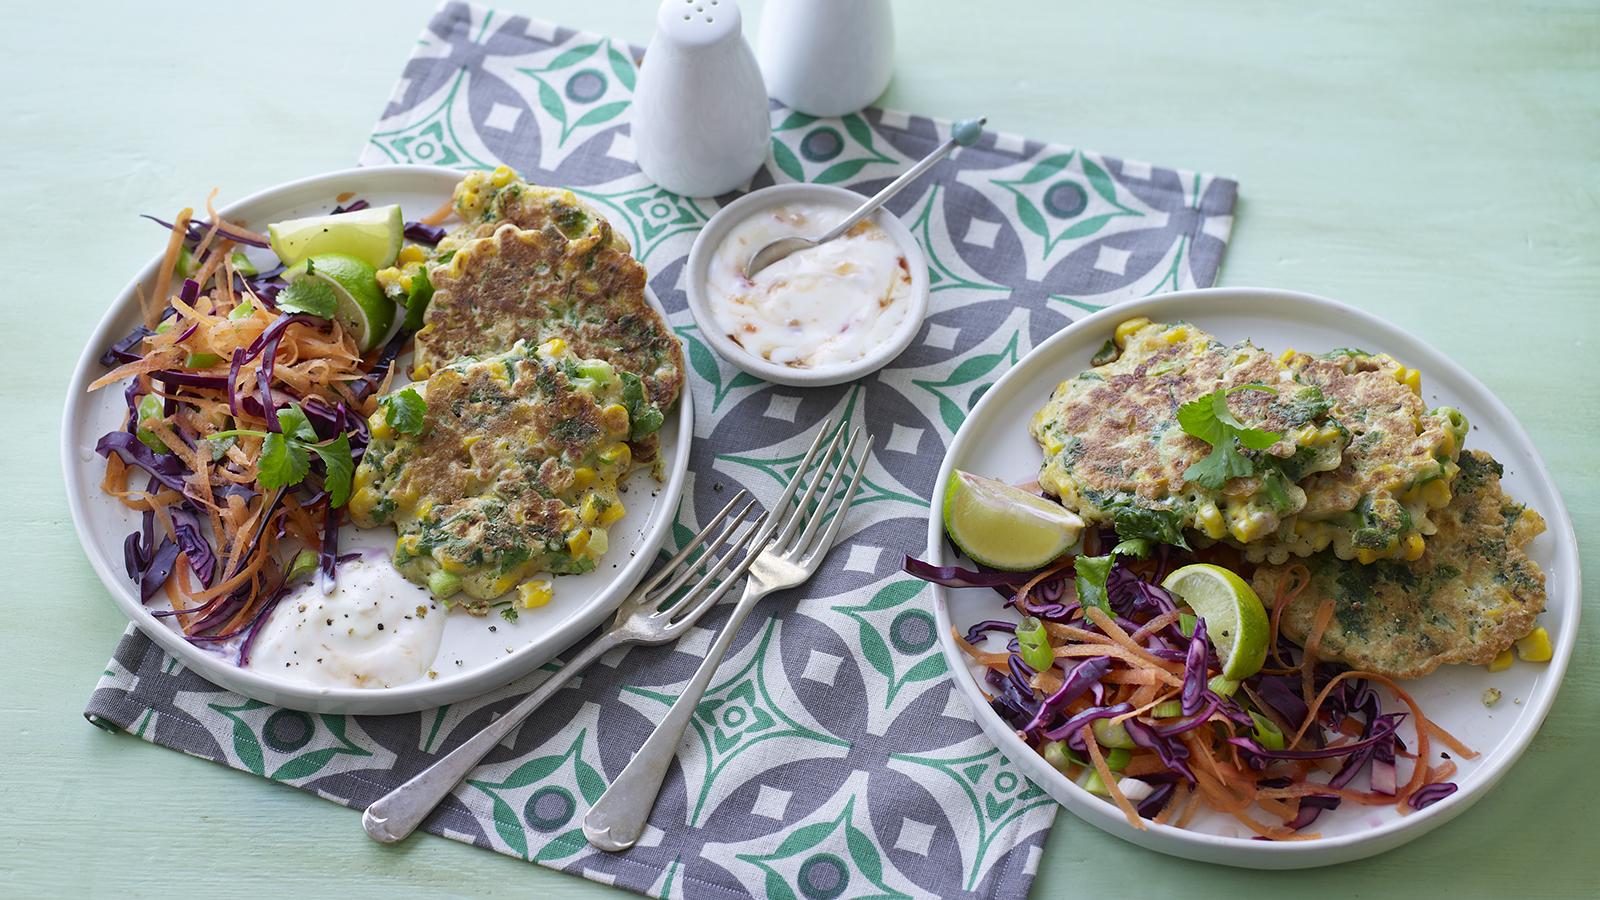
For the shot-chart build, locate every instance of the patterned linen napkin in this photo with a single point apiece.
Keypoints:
(831, 757)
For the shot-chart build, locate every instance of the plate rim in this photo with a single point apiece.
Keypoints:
(410, 697)
(1234, 851)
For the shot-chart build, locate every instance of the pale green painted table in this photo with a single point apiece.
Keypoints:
(1439, 165)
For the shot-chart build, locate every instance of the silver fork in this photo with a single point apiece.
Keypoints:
(617, 819)
(648, 616)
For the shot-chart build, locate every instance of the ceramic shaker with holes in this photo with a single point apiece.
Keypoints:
(700, 110)
(826, 57)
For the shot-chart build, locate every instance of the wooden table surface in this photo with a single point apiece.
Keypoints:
(1434, 162)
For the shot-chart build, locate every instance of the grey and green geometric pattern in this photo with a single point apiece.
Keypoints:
(831, 756)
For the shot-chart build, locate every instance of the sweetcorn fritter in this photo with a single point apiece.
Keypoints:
(1397, 468)
(1114, 451)
(486, 200)
(521, 284)
(1471, 594)
(513, 473)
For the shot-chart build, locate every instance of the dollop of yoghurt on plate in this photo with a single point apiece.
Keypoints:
(375, 630)
(820, 307)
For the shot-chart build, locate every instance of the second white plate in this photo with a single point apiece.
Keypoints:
(994, 441)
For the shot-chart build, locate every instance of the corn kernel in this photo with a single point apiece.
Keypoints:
(612, 513)
(502, 583)
(590, 510)
(616, 455)
(501, 176)
(1411, 378)
(406, 545)
(1366, 557)
(553, 347)
(1501, 662)
(1414, 546)
(535, 593)
(1436, 494)
(578, 542)
(412, 253)
(1536, 646)
(1126, 329)
(582, 477)
(405, 283)
(452, 565)
(1287, 356)
(1210, 521)
(1176, 335)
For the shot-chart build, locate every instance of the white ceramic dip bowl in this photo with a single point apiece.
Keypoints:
(711, 238)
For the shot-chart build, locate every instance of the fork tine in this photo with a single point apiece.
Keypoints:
(825, 543)
(794, 483)
(689, 548)
(712, 599)
(828, 496)
(690, 570)
(802, 507)
(752, 547)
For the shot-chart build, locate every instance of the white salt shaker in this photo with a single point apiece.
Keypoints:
(700, 114)
(826, 57)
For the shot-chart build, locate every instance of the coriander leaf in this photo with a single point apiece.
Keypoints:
(282, 462)
(295, 424)
(646, 417)
(404, 411)
(1162, 526)
(1209, 419)
(416, 301)
(509, 612)
(310, 296)
(337, 466)
(220, 445)
(1092, 572)
(1223, 463)
(1138, 548)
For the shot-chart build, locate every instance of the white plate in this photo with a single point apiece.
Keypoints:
(995, 441)
(477, 654)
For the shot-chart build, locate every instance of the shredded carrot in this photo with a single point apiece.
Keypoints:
(1300, 576)
(1109, 780)
(1308, 661)
(169, 260)
(437, 217)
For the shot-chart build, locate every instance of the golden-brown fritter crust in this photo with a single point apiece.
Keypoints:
(1471, 595)
(520, 284)
(484, 207)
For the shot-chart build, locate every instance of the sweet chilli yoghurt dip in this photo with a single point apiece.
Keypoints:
(821, 307)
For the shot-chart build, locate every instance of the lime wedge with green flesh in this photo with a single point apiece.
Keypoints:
(362, 309)
(1236, 620)
(374, 234)
(1005, 527)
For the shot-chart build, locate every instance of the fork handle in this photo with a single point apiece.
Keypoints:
(616, 821)
(398, 813)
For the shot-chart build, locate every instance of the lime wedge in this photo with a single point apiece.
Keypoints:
(374, 234)
(1236, 621)
(1004, 527)
(361, 307)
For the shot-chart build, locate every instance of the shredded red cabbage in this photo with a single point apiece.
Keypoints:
(424, 234)
(955, 576)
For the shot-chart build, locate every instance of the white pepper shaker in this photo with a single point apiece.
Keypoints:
(826, 57)
(701, 120)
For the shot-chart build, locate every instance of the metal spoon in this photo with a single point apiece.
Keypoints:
(962, 134)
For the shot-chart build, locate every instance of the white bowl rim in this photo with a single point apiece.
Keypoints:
(1237, 851)
(409, 697)
(706, 242)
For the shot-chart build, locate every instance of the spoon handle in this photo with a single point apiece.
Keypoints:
(964, 134)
